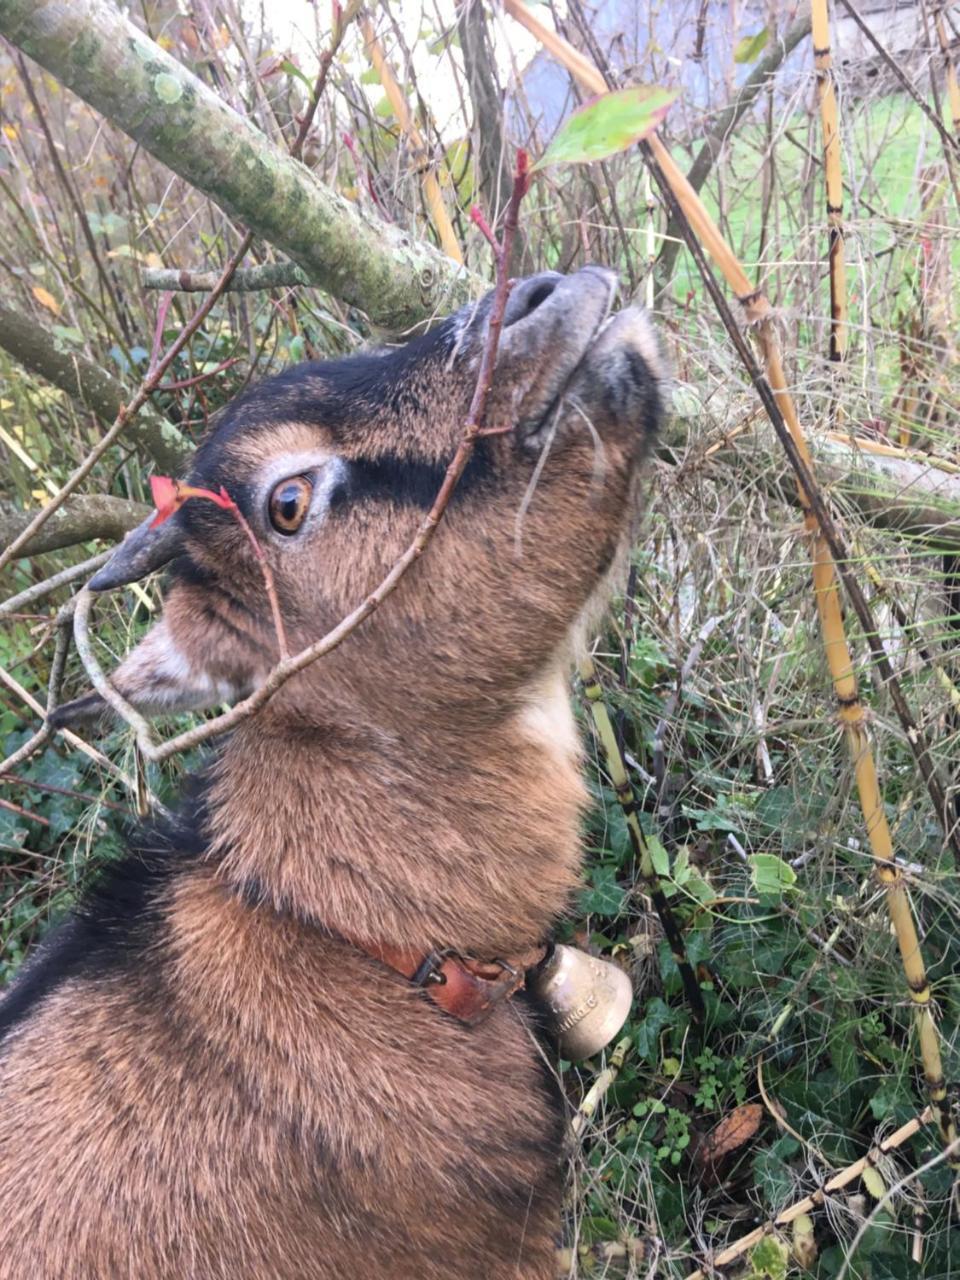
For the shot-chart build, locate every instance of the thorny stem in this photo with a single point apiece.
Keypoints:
(282, 672)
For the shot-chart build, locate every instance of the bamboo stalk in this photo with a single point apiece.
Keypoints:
(852, 714)
(428, 178)
(836, 1183)
(826, 92)
(597, 1091)
(953, 89)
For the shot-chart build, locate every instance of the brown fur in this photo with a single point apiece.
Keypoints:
(243, 1094)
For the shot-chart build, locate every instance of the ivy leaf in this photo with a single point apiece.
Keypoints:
(608, 124)
(604, 897)
(750, 47)
(646, 1036)
(771, 876)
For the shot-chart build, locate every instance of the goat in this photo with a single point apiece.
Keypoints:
(218, 1066)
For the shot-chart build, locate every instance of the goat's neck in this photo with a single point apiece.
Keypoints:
(458, 839)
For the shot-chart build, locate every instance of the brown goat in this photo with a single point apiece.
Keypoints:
(206, 1072)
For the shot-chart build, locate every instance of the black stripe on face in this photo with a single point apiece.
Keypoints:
(406, 483)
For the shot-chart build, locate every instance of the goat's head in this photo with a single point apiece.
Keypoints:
(334, 464)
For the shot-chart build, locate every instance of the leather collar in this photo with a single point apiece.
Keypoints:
(466, 989)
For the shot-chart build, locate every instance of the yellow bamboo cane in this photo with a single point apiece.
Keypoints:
(953, 89)
(851, 713)
(826, 91)
(398, 104)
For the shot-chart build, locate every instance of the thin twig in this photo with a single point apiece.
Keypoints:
(40, 589)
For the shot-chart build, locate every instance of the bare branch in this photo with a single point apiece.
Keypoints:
(723, 125)
(81, 519)
(271, 275)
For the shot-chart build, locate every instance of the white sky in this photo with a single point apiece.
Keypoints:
(302, 25)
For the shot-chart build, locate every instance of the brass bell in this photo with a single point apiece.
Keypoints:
(587, 999)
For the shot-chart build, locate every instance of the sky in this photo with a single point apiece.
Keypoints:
(295, 25)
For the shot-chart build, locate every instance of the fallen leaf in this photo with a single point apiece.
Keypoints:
(733, 1131)
(804, 1243)
(46, 299)
(873, 1181)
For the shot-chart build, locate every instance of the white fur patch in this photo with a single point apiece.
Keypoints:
(546, 718)
(157, 676)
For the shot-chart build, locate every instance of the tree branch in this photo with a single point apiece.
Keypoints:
(890, 488)
(95, 50)
(41, 353)
(271, 275)
(79, 519)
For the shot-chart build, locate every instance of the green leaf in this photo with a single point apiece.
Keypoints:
(656, 1016)
(658, 856)
(604, 897)
(768, 1260)
(750, 47)
(771, 875)
(370, 76)
(873, 1181)
(292, 69)
(608, 124)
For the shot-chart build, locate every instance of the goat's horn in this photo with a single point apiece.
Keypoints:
(142, 551)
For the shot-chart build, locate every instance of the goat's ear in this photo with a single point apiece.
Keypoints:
(158, 679)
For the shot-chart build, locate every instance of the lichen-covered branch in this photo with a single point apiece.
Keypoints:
(79, 519)
(39, 351)
(271, 275)
(95, 50)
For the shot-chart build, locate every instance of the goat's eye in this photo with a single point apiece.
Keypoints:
(289, 504)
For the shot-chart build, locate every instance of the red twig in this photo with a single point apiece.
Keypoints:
(339, 29)
(476, 216)
(268, 582)
(183, 383)
(163, 306)
(170, 495)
